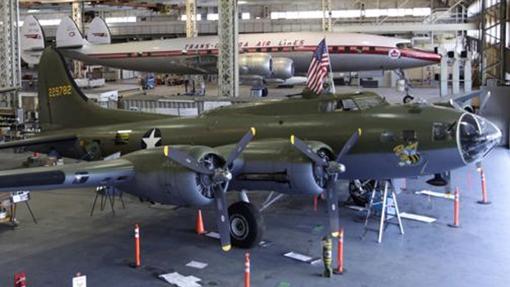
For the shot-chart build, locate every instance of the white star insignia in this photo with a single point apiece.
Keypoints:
(151, 141)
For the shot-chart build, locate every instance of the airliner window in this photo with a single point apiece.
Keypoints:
(439, 131)
(387, 136)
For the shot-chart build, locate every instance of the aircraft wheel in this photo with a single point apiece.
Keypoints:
(358, 196)
(246, 225)
(408, 99)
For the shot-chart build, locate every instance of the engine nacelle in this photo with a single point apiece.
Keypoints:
(162, 180)
(276, 165)
(259, 64)
(283, 68)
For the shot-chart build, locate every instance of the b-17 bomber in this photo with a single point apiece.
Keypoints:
(296, 146)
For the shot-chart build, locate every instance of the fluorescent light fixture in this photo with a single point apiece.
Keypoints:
(245, 16)
(369, 13)
(421, 12)
(33, 11)
(49, 22)
(184, 17)
(213, 17)
(127, 19)
(346, 14)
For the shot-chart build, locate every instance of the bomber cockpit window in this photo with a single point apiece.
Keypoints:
(349, 105)
(387, 137)
(327, 106)
(440, 131)
(339, 105)
(409, 135)
(365, 103)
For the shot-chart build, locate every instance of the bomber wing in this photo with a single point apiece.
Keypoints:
(78, 175)
(37, 140)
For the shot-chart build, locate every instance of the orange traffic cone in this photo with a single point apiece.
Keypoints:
(199, 225)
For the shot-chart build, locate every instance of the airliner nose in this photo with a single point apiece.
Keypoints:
(476, 137)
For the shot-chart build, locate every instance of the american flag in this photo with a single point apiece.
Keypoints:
(318, 70)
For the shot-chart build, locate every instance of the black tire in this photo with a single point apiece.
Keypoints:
(246, 225)
(265, 92)
(407, 99)
(359, 197)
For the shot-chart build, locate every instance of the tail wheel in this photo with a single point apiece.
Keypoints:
(246, 225)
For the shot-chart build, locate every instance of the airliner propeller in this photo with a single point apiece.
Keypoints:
(333, 168)
(219, 179)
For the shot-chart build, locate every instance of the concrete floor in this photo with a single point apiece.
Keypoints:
(67, 240)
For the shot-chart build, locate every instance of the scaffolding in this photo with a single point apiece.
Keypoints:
(228, 71)
(493, 21)
(10, 65)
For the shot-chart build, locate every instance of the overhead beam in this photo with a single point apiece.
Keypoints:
(405, 27)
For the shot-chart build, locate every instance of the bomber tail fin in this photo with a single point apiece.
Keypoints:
(31, 40)
(98, 32)
(68, 34)
(62, 105)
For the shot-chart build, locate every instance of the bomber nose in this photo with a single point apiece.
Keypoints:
(476, 137)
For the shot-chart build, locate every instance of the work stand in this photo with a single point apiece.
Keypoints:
(15, 199)
(107, 194)
(386, 199)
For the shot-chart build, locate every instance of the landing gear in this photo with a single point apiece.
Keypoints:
(265, 92)
(407, 99)
(359, 191)
(246, 225)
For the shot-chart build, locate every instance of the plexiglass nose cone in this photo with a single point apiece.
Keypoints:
(476, 137)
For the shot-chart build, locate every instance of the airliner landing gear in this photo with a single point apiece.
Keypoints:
(259, 92)
(246, 225)
(407, 86)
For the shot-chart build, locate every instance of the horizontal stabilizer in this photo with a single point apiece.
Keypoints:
(31, 40)
(78, 175)
(37, 140)
(98, 32)
(68, 34)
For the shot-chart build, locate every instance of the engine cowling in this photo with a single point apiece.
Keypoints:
(283, 68)
(159, 179)
(276, 165)
(259, 64)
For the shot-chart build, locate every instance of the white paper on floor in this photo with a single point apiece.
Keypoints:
(214, 235)
(196, 264)
(417, 217)
(436, 194)
(298, 256)
(355, 207)
(181, 280)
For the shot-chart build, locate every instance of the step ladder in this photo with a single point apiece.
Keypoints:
(389, 209)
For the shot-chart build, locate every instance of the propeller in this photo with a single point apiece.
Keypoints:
(333, 168)
(219, 180)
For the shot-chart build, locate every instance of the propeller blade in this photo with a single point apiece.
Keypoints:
(349, 144)
(332, 200)
(485, 100)
(306, 150)
(245, 140)
(186, 160)
(222, 217)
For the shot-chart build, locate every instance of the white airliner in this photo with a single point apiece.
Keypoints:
(267, 57)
